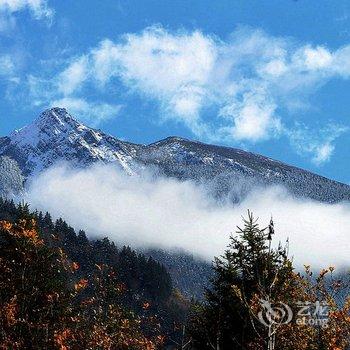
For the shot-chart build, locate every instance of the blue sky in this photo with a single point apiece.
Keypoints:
(272, 77)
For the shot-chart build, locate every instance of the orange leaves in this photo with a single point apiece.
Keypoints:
(100, 338)
(33, 236)
(325, 288)
(10, 310)
(5, 225)
(75, 266)
(146, 305)
(47, 295)
(82, 284)
(62, 337)
(25, 229)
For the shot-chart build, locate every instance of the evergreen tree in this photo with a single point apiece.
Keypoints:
(44, 304)
(252, 275)
(249, 271)
(145, 284)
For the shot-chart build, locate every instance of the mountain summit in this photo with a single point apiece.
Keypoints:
(56, 137)
(51, 123)
(56, 118)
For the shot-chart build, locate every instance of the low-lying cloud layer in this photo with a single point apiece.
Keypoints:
(145, 211)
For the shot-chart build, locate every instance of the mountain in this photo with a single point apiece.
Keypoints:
(56, 136)
(189, 274)
(11, 179)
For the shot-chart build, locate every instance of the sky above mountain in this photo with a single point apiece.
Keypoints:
(272, 77)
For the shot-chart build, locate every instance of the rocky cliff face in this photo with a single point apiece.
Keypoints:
(11, 179)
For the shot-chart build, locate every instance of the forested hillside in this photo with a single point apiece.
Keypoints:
(60, 289)
(190, 274)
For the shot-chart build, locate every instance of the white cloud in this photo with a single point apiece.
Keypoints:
(172, 68)
(157, 64)
(72, 77)
(317, 58)
(253, 118)
(323, 153)
(145, 211)
(274, 68)
(63, 92)
(158, 60)
(249, 82)
(317, 143)
(45, 93)
(7, 66)
(91, 112)
(39, 8)
(246, 77)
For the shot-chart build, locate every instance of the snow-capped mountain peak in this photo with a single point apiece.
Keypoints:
(58, 137)
(52, 122)
(56, 117)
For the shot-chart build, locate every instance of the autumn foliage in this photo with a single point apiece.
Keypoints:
(253, 271)
(46, 302)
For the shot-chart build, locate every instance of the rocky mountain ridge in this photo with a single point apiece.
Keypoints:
(56, 137)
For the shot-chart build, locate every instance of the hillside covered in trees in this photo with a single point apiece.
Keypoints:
(60, 290)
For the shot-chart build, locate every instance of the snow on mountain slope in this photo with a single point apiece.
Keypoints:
(11, 179)
(56, 136)
(234, 171)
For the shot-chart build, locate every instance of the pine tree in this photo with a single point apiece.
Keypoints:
(55, 262)
(249, 271)
(252, 275)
